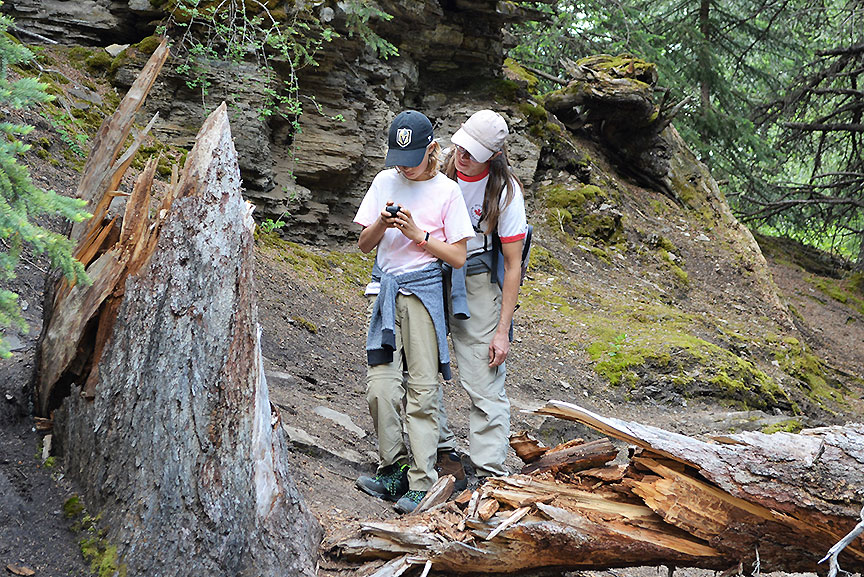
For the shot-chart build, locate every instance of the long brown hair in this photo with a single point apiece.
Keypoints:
(500, 176)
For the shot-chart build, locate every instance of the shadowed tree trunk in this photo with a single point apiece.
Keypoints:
(180, 448)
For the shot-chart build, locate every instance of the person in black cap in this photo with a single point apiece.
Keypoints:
(415, 216)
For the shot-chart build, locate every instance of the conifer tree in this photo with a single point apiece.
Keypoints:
(20, 200)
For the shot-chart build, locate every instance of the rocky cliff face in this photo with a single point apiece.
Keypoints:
(318, 173)
(445, 48)
(85, 22)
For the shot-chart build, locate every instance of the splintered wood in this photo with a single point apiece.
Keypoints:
(678, 501)
(79, 319)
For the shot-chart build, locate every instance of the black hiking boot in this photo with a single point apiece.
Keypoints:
(390, 484)
(409, 501)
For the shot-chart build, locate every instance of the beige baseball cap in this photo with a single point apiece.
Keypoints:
(482, 135)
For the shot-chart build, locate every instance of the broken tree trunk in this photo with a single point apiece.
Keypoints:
(680, 502)
(613, 98)
(170, 431)
(73, 334)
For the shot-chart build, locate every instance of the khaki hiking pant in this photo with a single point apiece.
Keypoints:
(489, 417)
(386, 394)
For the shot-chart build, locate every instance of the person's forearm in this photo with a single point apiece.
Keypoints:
(509, 298)
(452, 254)
(510, 286)
(371, 236)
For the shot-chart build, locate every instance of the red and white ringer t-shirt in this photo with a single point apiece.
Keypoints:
(512, 224)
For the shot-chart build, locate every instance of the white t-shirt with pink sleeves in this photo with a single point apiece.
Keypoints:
(436, 206)
(512, 223)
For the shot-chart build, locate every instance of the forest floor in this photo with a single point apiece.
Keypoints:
(313, 344)
(314, 334)
(312, 313)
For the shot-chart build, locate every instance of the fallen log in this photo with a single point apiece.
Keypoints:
(575, 458)
(680, 502)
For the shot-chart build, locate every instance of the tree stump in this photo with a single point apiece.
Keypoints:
(179, 448)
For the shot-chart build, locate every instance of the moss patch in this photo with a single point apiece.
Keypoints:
(673, 265)
(306, 324)
(542, 260)
(696, 200)
(102, 558)
(687, 364)
(167, 155)
(796, 361)
(149, 45)
(336, 272)
(622, 66)
(581, 210)
(72, 507)
(95, 547)
(847, 291)
(517, 73)
(790, 426)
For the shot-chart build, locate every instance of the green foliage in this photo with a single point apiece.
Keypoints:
(734, 66)
(20, 200)
(238, 32)
(358, 15)
(72, 507)
(269, 225)
(815, 123)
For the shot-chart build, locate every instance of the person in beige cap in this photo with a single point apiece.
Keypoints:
(478, 162)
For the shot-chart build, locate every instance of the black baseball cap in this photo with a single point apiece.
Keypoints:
(410, 134)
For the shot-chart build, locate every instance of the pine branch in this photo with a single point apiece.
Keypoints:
(824, 127)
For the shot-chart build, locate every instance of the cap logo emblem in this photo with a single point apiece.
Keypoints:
(403, 137)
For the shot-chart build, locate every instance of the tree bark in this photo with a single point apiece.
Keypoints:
(703, 51)
(179, 448)
(65, 349)
(680, 502)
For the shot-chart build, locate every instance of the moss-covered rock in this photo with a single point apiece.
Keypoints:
(515, 72)
(683, 364)
(796, 360)
(622, 66)
(148, 45)
(582, 210)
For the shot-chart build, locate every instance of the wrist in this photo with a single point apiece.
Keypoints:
(422, 242)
